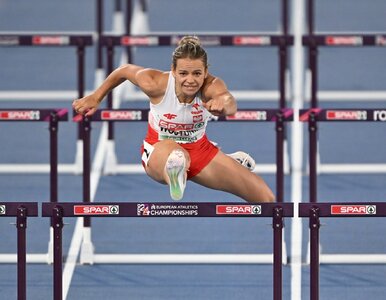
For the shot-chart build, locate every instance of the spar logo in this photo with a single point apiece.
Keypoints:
(379, 115)
(50, 40)
(19, 115)
(346, 115)
(176, 126)
(251, 40)
(2, 210)
(248, 115)
(344, 40)
(353, 209)
(139, 40)
(238, 209)
(96, 210)
(121, 115)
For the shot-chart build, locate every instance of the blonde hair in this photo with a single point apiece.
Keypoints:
(190, 47)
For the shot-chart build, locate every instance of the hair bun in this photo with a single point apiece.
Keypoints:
(190, 39)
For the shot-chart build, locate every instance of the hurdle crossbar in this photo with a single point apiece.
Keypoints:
(20, 210)
(314, 211)
(277, 211)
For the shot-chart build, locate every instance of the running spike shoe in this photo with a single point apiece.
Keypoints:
(176, 170)
(244, 159)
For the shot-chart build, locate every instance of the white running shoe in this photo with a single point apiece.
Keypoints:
(176, 169)
(244, 159)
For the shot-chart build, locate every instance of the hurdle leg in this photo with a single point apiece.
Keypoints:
(58, 264)
(111, 162)
(277, 225)
(87, 249)
(53, 128)
(21, 225)
(314, 250)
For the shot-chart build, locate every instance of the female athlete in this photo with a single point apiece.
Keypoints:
(176, 147)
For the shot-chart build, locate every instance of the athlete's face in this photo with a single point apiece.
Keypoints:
(190, 75)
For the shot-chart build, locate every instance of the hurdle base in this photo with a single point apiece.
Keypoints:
(284, 256)
(111, 163)
(87, 248)
(50, 252)
(11, 258)
(183, 258)
(352, 259)
(351, 168)
(38, 168)
(346, 258)
(138, 169)
(78, 164)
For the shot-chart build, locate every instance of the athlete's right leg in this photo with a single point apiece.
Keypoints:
(168, 164)
(225, 174)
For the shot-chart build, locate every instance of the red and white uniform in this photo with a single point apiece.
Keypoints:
(184, 123)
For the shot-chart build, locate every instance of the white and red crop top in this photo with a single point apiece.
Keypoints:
(181, 122)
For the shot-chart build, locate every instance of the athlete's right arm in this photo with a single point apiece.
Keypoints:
(143, 78)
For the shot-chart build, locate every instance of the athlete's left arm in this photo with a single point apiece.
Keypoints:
(216, 97)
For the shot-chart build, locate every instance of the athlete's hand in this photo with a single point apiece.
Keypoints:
(215, 107)
(86, 106)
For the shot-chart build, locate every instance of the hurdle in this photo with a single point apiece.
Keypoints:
(314, 211)
(20, 210)
(280, 116)
(59, 39)
(134, 11)
(312, 42)
(282, 42)
(340, 39)
(53, 116)
(51, 39)
(276, 211)
(312, 116)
